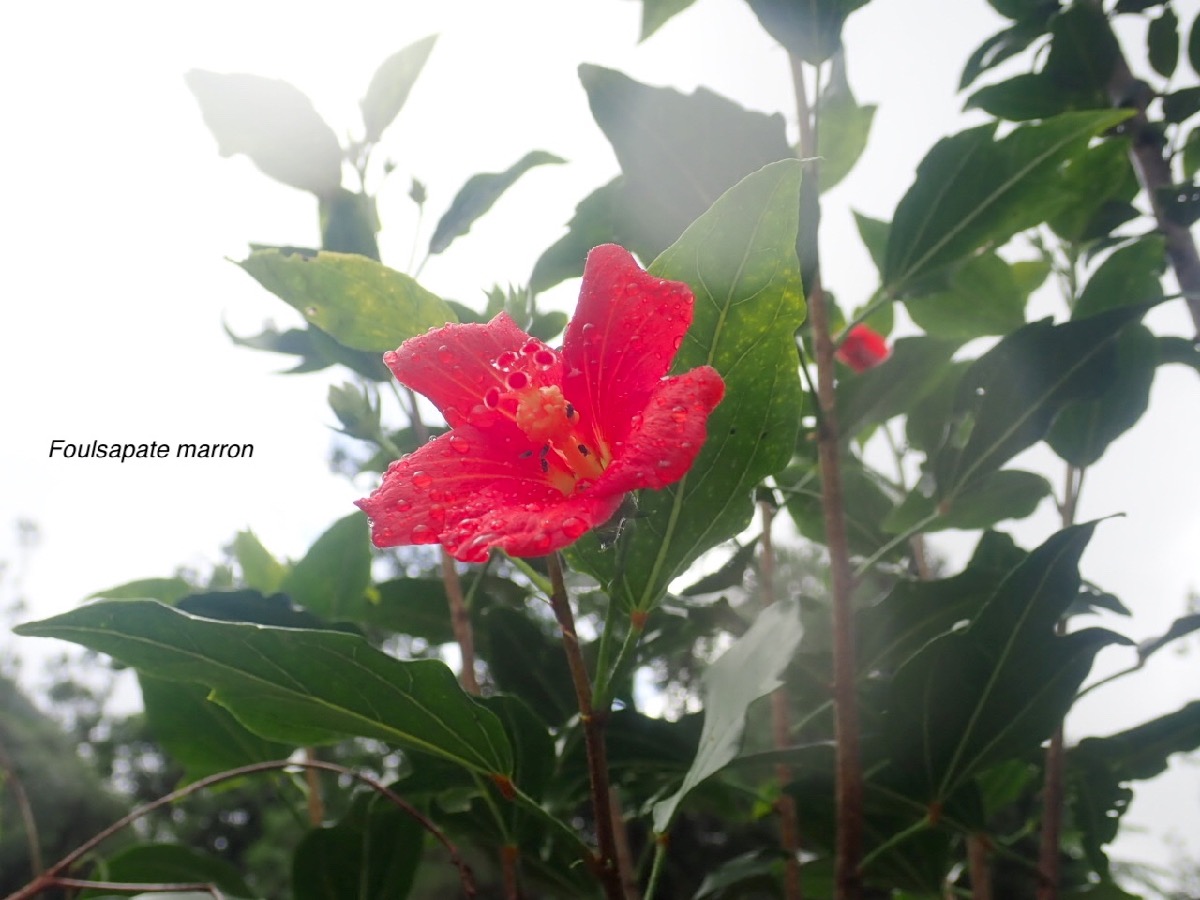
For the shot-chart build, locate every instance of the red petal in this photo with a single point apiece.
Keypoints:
(863, 348)
(471, 491)
(625, 333)
(452, 365)
(664, 440)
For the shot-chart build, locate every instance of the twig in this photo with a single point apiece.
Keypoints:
(1052, 779)
(629, 882)
(785, 805)
(979, 866)
(316, 803)
(51, 877)
(849, 784)
(161, 887)
(26, 809)
(592, 722)
(1153, 172)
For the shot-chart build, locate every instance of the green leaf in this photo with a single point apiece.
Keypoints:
(1098, 770)
(1029, 95)
(739, 258)
(295, 685)
(916, 612)
(656, 13)
(972, 191)
(1181, 627)
(809, 29)
(260, 570)
(1083, 50)
(252, 607)
(1193, 48)
(332, 578)
(982, 298)
(391, 84)
(1083, 430)
(870, 398)
(1097, 180)
(274, 124)
(1180, 203)
(991, 498)
(843, 127)
(198, 734)
(371, 854)
(1180, 351)
(597, 220)
(171, 864)
(1004, 44)
(478, 195)
(349, 223)
(361, 303)
(874, 234)
(1191, 154)
(165, 590)
(1180, 105)
(1162, 42)
(678, 153)
(418, 606)
(1013, 677)
(525, 661)
(1009, 397)
(751, 668)
(867, 505)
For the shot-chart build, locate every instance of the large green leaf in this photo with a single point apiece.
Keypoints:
(295, 685)
(363, 304)
(1099, 770)
(372, 853)
(972, 190)
(1131, 276)
(1083, 49)
(260, 570)
(1005, 44)
(170, 864)
(391, 85)
(656, 13)
(751, 668)
(274, 124)
(478, 195)
(982, 298)
(198, 734)
(598, 220)
(843, 126)
(1008, 398)
(1000, 686)
(334, 574)
(870, 398)
(524, 661)
(678, 153)
(1083, 430)
(808, 29)
(740, 260)
(990, 498)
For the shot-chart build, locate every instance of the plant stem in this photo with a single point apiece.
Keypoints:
(629, 882)
(785, 805)
(460, 623)
(316, 802)
(1052, 779)
(849, 783)
(1154, 172)
(28, 820)
(592, 722)
(51, 877)
(979, 866)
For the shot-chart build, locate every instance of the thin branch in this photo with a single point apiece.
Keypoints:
(28, 820)
(51, 876)
(785, 805)
(1154, 172)
(312, 779)
(592, 722)
(849, 784)
(629, 881)
(146, 888)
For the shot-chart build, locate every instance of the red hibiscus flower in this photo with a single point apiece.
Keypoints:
(545, 443)
(863, 348)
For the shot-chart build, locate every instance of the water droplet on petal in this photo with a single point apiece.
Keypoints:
(678, 342)
(686, 445)
(540, 541)
(589, 326)
(421, 530)
(635, 421)
(679, 414)
(664, 463)
(459, 443)
(422, 479)
(573, 526)
(506, 360)
(445, 354)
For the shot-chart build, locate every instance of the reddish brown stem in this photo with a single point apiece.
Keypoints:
(785, 806)
(1154, 172)
(592, 722)
(629, 881)
(849, 780)
(978, 865)
(51, 876)
(460, 622)
(316, 802)
(509, 854)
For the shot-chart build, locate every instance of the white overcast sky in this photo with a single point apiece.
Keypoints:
(118, 217)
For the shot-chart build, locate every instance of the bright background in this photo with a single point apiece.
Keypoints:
(119, 217)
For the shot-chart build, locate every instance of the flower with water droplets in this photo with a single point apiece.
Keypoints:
(545, 443)
(863, 348)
